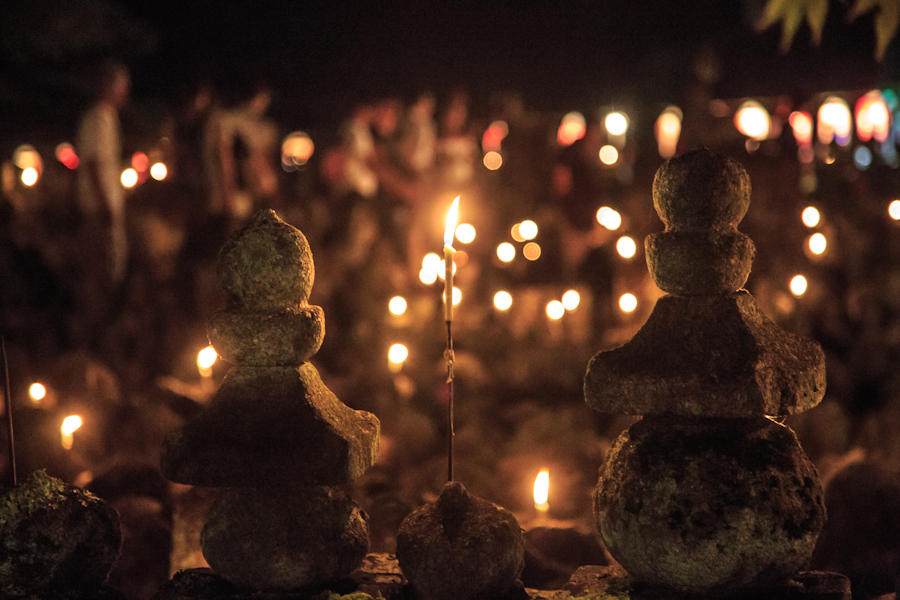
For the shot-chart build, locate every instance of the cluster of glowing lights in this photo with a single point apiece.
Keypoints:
(628, 303)
(817, 243)
(668, 131)
(30, 162)
(296, 150)
(432, 268)
(492, 160)
(616, 123)
(753, 120)
(524, 231)
(555, 310)
(542, 491)
(397, 305)
(465, 233)
(397, 354)
(37, 392)
(798, 285)
(65, 154)
(810, 216)
(158, 171)
(834, 122)
(69, 426)
(873, 118)
(571, 129)
(894, 210)
(502, 300)
(129, 178)
(626, 247)
(506, 252)
(609, 155)
(609, 218)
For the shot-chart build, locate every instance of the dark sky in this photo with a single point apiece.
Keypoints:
(319, 56)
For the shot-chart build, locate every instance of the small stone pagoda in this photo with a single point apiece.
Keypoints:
(708, 495)
(274, 435)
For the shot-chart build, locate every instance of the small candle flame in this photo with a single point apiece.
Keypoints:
(452, 219)
(542, 491)
(69, 425)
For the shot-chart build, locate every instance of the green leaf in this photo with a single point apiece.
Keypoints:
(816, 13)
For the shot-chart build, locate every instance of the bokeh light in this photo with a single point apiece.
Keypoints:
(834, 121)
(817, 243)
(158, 171)
(502, 300)
(571, 299)
(29, 176)
(798, 285)
(609, 155)
(494, 135)
(69, 426)
(668, 131)
(609, 218)
(37, 392)
(506, 252)
(140, 162)
(531, 251)
(442, 269)
(753, 120)
(626, 247)
(628, 303)
(25, 157)
(493, 160)
(296, 150)
(465, 233)
(129, 178)
(616, 123)
(397, 305)
(516, 232)
(206, 358)
(555, 309)
(398, 353)
(801, 124)
(65, 154)
(528, 230)
(457, 296)
(427, 276)
(894, 210)
(571, 129)
(810, 216)
(873, 118)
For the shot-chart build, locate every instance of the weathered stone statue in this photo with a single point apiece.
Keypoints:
(708, 495)
(274, 434)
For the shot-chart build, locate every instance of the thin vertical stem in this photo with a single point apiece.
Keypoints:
(450, 431)
(9, 421)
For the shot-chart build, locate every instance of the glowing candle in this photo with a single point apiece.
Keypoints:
(542, 492)
(449, 232)
(69, 425)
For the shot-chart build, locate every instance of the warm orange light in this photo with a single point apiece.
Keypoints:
(627, 302)
(802, 125)
(158, 171)
(817, 243)
(37, 392)
(571, 299)
(397, 354)
(516, 233)
(140, 162)
(609, 155)
(502, 300)
(427, 276)
(753, 120)
(29, 176)
(894, 210)
(296, 150)
(528, 230)
(668, 131)
(810, 216)
(555, 310)
(873, 118)
(626, 247)
(532, 251)
(609, 218)
(465, 233)
(65, 154)
(493, 160)
(834, 121)
(616, 123)
(506, 252)
(542, 491)
(69, 426)
(129, 178)
(798, 285)
(397, 305)
(452, 220)
(457, 296)
(571, 129)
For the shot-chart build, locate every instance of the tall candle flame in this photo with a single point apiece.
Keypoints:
(542, 491)
(452, 219)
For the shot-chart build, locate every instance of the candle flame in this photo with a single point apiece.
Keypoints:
(452, 219)
(542, 490)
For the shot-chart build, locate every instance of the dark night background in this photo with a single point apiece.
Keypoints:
(320, 56)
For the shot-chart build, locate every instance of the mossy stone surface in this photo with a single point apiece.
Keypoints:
(287, 337)
(57, 540)
(284, 538)
(709, 506)
(267, 266)
(460, 548)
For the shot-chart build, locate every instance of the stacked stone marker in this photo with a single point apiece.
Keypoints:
(705, 496)
(274, 434)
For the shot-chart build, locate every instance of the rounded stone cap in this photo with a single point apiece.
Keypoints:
(266, 266)
(701, 190)
(690, 263)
